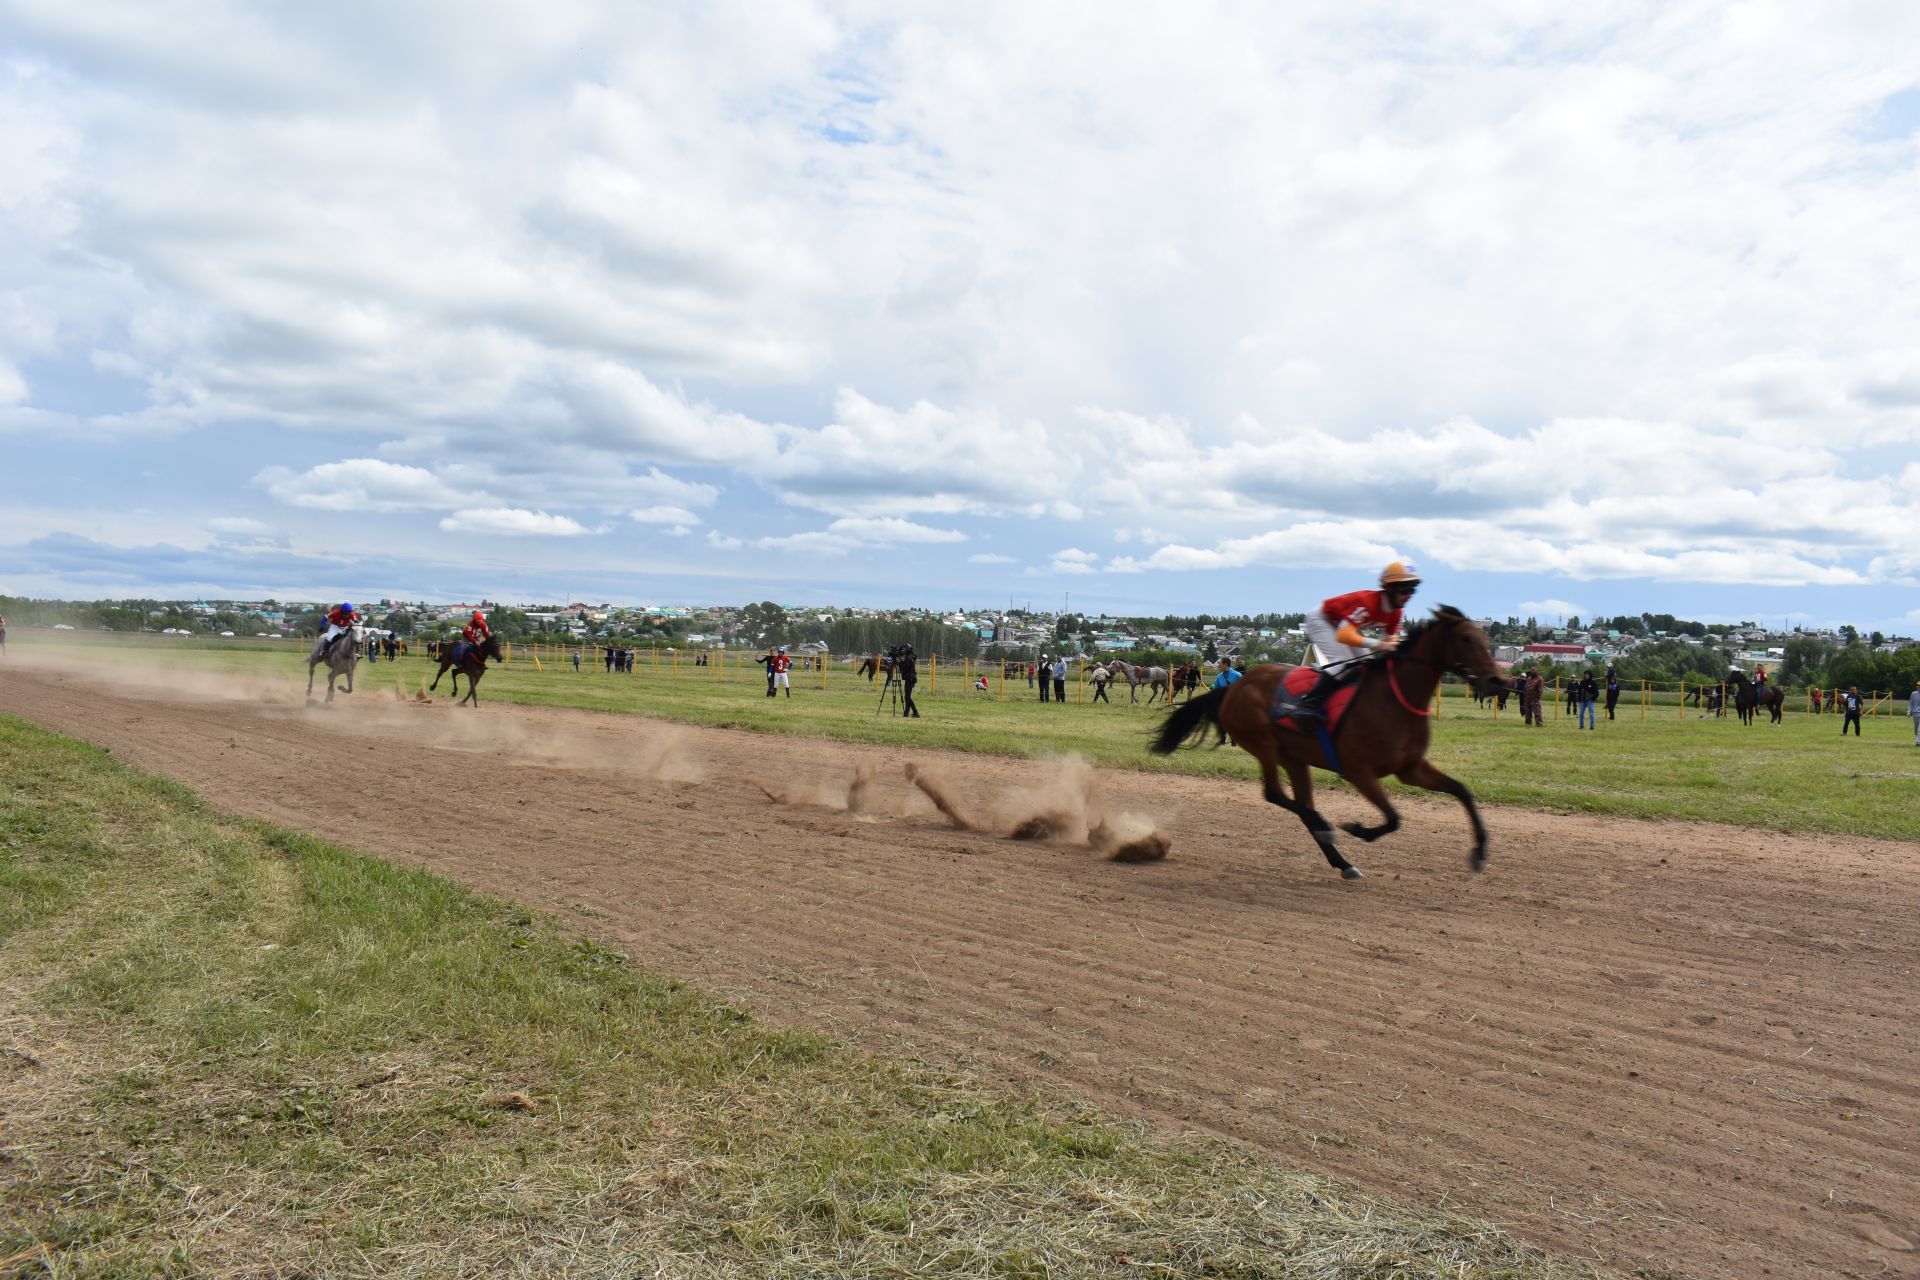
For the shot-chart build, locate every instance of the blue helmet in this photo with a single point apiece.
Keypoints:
(346, 606)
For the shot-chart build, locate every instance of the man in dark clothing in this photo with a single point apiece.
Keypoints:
(1850, 707)
(1613, 690)
(1530, 697)
(1589, 693)
(1046, 677)
(908, 669)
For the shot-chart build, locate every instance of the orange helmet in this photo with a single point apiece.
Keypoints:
(1399, 573)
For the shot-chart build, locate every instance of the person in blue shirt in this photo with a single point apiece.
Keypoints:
(1227, 675)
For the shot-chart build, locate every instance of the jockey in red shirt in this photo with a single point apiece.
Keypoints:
(473, 635)
(778, 668)
(1337, 631)
(339, 618)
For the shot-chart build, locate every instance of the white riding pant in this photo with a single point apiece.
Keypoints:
(780, 680)
(1326, 646)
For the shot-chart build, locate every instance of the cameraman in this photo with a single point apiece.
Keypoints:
(908, 669)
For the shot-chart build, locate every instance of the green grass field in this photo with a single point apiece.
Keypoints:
(1796, 776)
(233, 1049)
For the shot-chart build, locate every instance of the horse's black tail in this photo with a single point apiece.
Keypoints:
(1187, 719)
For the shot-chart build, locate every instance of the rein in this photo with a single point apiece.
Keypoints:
(1393, 681)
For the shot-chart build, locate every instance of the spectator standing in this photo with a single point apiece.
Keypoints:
(766, 660)
(576, 659)
(907, 667)
(1613, 690)
(1913, 709)
(1571, 695)
(1589, 694)
(1044, 672)
(1227, 675)
(1029, 675)
(1100, 676)
(1530, 696)
(1060, 678)
(1850, 707)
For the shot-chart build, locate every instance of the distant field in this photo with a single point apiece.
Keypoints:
(1667, 763)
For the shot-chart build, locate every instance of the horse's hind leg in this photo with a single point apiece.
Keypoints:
(1376, 795)
(1422, 774)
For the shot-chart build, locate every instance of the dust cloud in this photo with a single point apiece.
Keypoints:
(389, 703)
(1065, 808)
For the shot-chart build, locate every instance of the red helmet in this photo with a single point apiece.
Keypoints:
(479, 616)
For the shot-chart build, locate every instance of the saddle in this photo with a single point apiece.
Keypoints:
(1296, 684)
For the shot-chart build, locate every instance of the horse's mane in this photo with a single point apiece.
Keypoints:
(1443, 615)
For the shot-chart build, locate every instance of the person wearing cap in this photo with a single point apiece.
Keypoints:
(1338, 632)
(473, 635)
(780, 666)
(1913, 709)
(340, 618)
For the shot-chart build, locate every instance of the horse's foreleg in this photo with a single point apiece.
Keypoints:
(1317, 826)
(310, 679)
(1422, 774)
(1376, 795)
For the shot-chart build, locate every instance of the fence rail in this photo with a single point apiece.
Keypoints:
(964, 677)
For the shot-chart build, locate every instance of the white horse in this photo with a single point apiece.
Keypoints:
(341, 657)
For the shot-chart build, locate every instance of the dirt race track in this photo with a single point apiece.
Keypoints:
(1685, 1048)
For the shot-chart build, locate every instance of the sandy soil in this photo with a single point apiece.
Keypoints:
(1685, 1048)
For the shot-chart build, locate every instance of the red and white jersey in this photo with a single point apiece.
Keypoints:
(1362, 609)
(781, 662)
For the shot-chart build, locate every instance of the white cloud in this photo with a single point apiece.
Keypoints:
(512, 521)
(362, 484)
(885, 531)
(1071, 560)
(989, 557)
(239, 527)
(678, 516)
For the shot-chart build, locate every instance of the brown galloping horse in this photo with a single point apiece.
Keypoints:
(1384, 732)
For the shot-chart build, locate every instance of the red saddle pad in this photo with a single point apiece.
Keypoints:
(1301, 679)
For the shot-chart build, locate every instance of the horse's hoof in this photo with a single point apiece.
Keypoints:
(1477, 863)
(1351, 873)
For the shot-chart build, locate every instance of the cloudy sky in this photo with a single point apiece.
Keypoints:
(1584, 308)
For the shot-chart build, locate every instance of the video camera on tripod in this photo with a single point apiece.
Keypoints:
(899, 663)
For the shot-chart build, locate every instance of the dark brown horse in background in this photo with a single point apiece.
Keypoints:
(1384, 732)
(1749, 698)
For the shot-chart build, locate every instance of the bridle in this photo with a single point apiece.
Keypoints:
(1454, 669)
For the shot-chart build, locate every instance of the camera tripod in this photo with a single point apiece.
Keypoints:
(889, 693)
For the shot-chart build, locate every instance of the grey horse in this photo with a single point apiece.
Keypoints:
(341, 658)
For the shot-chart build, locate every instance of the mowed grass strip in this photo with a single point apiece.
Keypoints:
(1795, 776)
(229, 1049)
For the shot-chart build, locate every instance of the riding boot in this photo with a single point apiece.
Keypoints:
(1310, 705)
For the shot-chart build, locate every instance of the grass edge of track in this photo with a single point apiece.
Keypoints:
(231, 1043)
